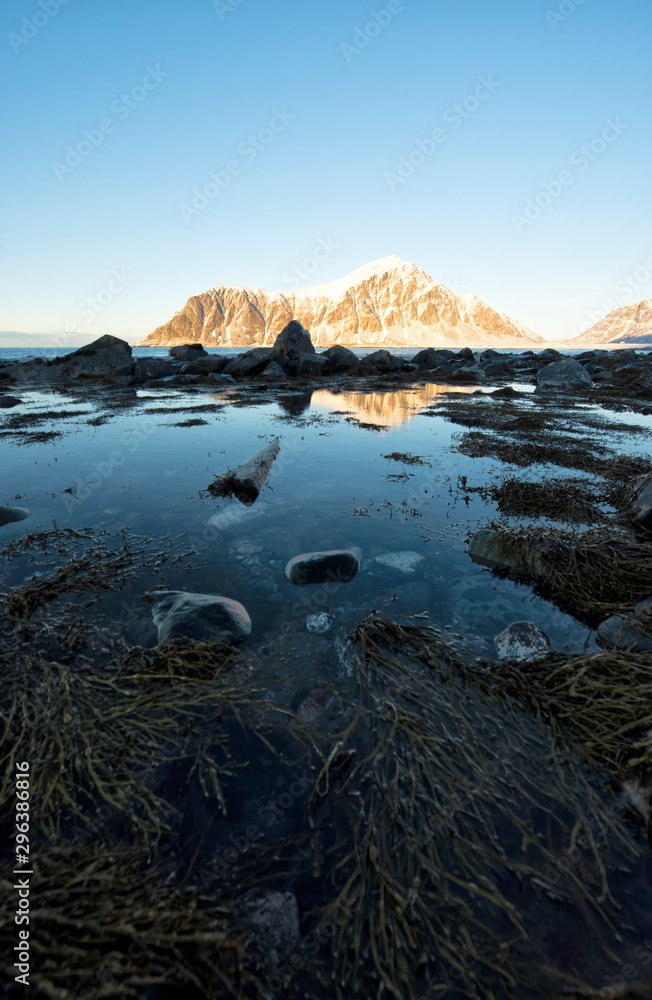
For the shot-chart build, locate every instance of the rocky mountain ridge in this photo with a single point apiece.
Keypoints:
(387, 303)
(627, 325)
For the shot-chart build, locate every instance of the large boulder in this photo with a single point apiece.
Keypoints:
(335, 566)
(148, 368)
(562, 376)
(293, 341)
(249, 479)
(7, 402)
(105, 356)
(251, 363)
(212, 364)
(626, 633)
(341, 358)
(312, 364)
(382, 361)
(201, 617)
(188, 352)
(432, 357)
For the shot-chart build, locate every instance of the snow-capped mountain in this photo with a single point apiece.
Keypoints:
(387, 303)
(627, 325)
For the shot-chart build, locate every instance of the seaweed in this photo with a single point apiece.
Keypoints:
(104, 924)
(453, 801)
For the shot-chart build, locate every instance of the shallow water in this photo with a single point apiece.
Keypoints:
(332, 486)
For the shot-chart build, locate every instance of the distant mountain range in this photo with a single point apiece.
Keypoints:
(387, 303)
(629, 325)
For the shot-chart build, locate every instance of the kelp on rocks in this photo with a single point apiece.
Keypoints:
(103, 924)
(595, 573)
(454, 801)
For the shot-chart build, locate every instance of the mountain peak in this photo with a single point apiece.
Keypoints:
(374, 269)
(388, 302)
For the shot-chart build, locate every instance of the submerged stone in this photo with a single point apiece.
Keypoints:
(490, 548)
(522, 641)
(336, 566)
(202, 617)
(10, 514)
(404, 562)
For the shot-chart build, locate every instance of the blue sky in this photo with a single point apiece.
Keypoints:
(109, 241)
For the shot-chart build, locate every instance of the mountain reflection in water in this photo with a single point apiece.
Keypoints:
(386, 409)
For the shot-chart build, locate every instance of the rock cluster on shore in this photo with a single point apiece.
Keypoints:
(109, 361)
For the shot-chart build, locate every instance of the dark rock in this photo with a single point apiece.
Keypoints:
(105, 356)
(202, 617)
(341, 358)
(336, 566)
(466, 353)
(249, 479)
(382, 361)
(179, 380)
(276, 915)
(640, 506)
(10, 514)
(147, 368)
(563, 375)
(219, 379)
(522, 641)
(312, 364)
(273, 370)
(629, 632)
(293, 341)
(432, 357)
(211, 364)
(188, 352)
(251, 363)
(490, 549)
(7, 402)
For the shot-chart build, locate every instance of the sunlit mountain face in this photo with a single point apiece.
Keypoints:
(387, 303)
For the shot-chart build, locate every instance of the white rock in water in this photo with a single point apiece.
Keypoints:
(319, 623)
(522, 641)
(404, 562)
(234, 515)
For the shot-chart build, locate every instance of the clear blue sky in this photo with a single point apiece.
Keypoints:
(65, 233)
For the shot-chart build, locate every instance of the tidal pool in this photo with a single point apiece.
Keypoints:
(400, 800)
